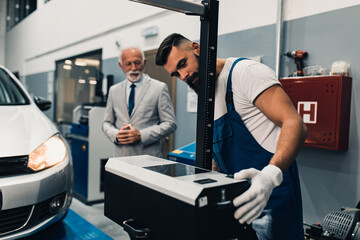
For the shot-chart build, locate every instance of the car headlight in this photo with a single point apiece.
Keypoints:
(50, 153)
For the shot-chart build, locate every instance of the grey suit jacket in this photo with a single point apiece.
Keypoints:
(153, 115)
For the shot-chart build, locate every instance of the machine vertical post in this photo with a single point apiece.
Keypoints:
(208, 12)
(207, 77)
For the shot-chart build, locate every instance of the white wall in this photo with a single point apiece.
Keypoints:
(2, 30)
(63, 28)
(302, 8)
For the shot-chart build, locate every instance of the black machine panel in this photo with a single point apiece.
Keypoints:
(177, 170)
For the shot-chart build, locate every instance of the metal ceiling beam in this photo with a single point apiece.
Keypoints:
(177, 6)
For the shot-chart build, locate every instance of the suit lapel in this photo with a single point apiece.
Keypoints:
(123, 103)
(139, 95)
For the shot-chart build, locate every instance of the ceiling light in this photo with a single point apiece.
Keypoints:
(87, 62)
(67, 67)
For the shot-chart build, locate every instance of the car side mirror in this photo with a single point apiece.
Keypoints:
(42, 103)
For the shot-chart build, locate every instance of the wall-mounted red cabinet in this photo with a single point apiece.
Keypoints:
(324, 104)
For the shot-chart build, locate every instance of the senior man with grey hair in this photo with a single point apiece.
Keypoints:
(139, 111)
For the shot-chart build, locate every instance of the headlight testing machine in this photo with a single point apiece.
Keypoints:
(154, 198)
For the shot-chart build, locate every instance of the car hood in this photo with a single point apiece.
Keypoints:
(23, 129)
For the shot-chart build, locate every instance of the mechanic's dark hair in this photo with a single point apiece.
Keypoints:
(165, 47)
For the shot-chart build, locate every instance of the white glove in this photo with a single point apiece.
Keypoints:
(253, 201)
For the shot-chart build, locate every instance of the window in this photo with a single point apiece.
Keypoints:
(17, 10)
(78, 81)
(10, 92)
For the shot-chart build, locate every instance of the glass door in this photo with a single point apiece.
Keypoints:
(78, 81)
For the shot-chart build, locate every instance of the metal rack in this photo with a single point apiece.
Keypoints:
(208, 12)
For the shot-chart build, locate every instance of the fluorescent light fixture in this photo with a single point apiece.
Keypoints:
(80, 63)
(67, 61)
(92, 82)
(87, 62)
(67, 67)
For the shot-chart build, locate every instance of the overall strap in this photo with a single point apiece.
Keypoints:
(229, 93)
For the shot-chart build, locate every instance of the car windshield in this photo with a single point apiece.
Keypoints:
(10, 92)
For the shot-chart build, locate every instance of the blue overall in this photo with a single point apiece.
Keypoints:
(234, 149)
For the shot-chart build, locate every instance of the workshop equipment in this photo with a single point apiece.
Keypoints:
(298, 56)
(90, 150)
(154, 198)
(337, 225)
(185, 154)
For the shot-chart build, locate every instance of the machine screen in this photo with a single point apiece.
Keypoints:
(177, 170)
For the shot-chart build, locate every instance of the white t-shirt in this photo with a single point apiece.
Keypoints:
(249, 79)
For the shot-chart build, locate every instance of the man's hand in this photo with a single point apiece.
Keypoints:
(253, 201)
(128, 135)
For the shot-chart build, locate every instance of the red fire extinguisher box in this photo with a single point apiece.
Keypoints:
(324, 104)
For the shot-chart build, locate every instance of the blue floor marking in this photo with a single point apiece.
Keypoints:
(73, 227)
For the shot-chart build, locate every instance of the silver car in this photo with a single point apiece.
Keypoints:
(35, 163)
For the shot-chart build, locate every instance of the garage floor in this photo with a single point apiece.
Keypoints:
(83, 222)
(95, 215)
